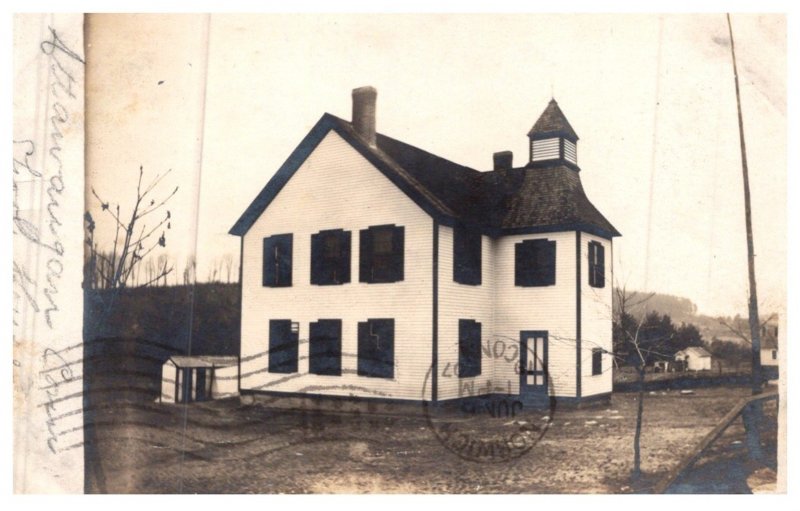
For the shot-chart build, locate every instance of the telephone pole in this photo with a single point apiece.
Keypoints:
(752, 415)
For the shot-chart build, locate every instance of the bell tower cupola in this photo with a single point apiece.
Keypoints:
(552, 139)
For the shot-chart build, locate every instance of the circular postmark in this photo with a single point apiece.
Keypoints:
(487, 422)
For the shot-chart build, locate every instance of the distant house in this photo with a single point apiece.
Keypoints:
(694, 359)
(374, 269)
(769, 343)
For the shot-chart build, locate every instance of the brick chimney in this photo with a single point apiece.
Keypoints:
(503, 160)
(364, 113)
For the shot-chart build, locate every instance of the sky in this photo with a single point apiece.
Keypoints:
(651, 97)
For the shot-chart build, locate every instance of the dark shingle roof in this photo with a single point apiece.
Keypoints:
(553, 121)
(547, 198)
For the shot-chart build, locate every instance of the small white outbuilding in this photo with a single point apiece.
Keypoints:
(694, 359)
(185, 379)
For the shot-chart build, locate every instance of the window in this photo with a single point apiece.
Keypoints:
(774, 354)
(330, 257)
(466, 256)
(283, 343)
(376, 348)
(277, 271)
(325, 347)
(597, 362)
(469, 348)
(381, 254)
(535, 263)
(597, 264)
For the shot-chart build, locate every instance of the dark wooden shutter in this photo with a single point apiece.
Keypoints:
(601, 265)
(365, 354)
(549, 267)
(365, 256)
(283, 346)
(325, 347)
(384, 329)
(521, 264)
(316, 258)
(592, 265)
(469, 344)
(268, 262)
(284, 259)
(344, 261)
(398, 254)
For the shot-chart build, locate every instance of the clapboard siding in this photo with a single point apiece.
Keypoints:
(460, 301)
(336, 188)
(549, 308)
(596, 321)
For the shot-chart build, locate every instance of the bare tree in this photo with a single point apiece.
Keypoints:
(133, 240)
(190, 271)
(639, 346)
(740, 330)
(227, 261)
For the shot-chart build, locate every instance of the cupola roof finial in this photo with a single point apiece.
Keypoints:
(553, 122)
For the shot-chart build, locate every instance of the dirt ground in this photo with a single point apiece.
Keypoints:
(228, 447)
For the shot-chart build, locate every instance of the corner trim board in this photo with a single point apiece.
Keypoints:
(435, 339)
(578, 368)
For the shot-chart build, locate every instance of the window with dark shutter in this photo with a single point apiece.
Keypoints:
(325, 347)
(381, 254)
(469, 348)
(283, 345)
(466, 256)
(376, 348)
(277, 269)
(330, 257)
(597, 264)
(597, 362)
(535, 263)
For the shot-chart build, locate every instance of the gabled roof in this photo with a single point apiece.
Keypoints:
(553, 121)
(545, 199)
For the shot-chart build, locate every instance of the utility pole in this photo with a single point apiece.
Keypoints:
(753, 414)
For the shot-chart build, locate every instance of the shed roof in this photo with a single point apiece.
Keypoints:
(203, 361)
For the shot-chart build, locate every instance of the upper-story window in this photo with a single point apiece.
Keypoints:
(597, 264)
(466, 256)
(277, 261)
(535, 263)
(330, 257)
(381, 252)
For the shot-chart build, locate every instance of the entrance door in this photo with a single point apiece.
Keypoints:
(200, 387)
(186, 385)
(533, 363)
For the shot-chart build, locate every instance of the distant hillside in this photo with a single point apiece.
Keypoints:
(683, 310)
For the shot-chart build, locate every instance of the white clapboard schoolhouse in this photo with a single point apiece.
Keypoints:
(374, 269)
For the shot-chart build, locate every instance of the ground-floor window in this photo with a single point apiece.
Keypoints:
(597, 361)
(325, 347)
(283, 345)
(376, 348)
(469, 348)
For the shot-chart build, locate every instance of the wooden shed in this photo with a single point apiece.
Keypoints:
(694, 359)
(185, 379)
